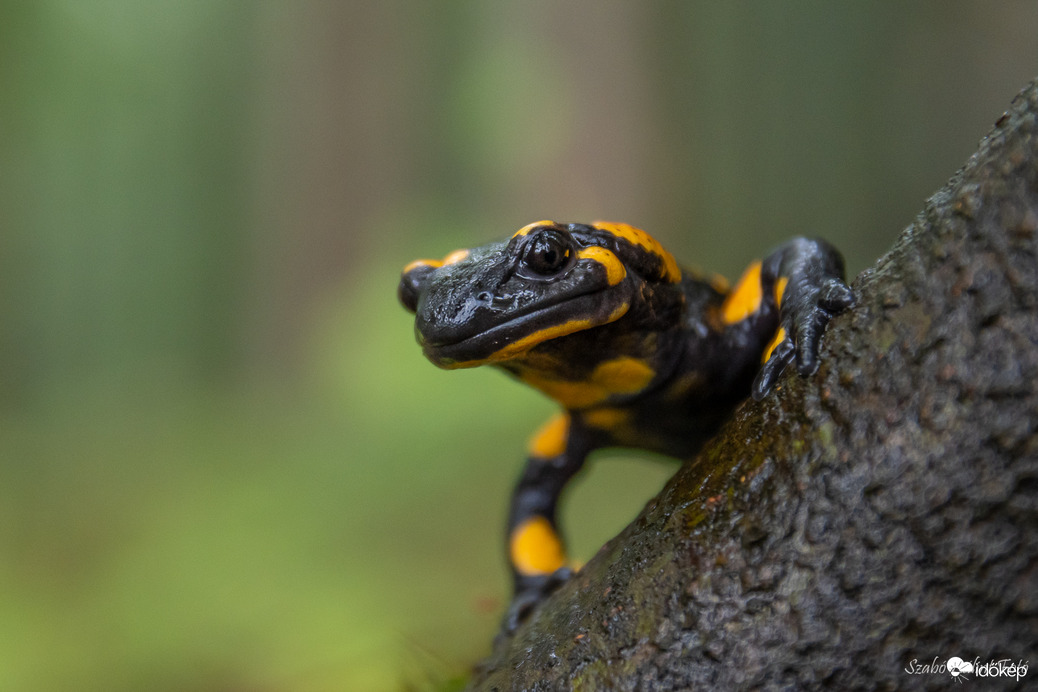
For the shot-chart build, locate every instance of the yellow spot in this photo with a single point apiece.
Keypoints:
(615, 271)
(745, 299)
(624, 375)
(636, 236)
(455, 257)
(535, 548)
(780, 290)
(570, 394)
(550, 439)
(605, 418)
(435, 264)
(682, 386)
(780, 335)
(719, 283)
(530, 226)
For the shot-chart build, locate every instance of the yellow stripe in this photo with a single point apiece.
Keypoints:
(535, 548)
(455, 257)
(615, 271)
(530, 226)
(780, 290)
(623, 375)
(780, 335)
(550, 440)
(564, 329)
(636, 236)
(452, 258)
(605, 418)
(529, 341)
(435, 264)
(745, 299)
(572, 395)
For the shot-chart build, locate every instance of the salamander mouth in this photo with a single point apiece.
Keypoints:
(521, 333)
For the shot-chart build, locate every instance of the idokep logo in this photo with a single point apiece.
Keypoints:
(958, 668)
(961, 670)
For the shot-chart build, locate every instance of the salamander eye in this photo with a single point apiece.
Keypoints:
(546, 253)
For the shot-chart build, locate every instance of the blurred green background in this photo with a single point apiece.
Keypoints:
(224, 463)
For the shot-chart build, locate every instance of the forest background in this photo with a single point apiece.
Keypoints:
(224, 463)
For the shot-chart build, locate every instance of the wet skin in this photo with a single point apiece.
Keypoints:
(639, 352)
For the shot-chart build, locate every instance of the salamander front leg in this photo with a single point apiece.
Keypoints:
(535, 549)
(804, 281)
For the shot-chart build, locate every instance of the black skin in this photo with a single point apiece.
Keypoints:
(492, 305)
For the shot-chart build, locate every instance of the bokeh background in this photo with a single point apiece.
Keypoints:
(224, 463)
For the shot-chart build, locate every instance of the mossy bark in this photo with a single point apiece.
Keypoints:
(880, 511)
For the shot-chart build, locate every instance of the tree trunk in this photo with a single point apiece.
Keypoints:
(880, 512)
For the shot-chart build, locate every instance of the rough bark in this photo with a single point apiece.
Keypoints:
(883, 510)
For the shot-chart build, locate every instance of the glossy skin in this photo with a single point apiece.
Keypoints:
(638, 352)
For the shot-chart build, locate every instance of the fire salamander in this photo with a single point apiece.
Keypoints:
(638, 351)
